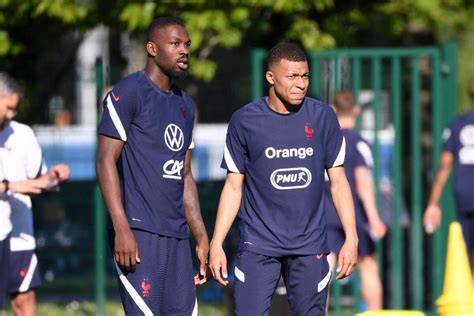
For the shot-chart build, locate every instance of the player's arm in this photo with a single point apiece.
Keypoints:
(227, 210)
(126, 250)
(194, 220)
(366, 193)
(432, 216)
(32, 187)
(342, 198)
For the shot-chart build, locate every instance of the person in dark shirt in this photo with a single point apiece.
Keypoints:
(144, 172)
(358, 166)
(276, 152)
(458, 151)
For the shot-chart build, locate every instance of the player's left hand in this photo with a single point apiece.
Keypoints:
(202, 252)
(347, 259)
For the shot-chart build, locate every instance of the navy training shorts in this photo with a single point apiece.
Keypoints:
(163, 281)
(256, 278)
(23, 273)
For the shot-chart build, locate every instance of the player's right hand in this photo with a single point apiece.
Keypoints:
(218, 264)
(126, 250)
(432, 218)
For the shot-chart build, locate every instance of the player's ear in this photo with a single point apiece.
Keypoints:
(151, 49)
(269, 77)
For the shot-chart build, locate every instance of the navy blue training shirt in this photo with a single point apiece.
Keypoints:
(156, 127)
(283, 157)
(358, 154)
(459, 140)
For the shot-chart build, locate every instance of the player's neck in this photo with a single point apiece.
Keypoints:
(277, 105)
(346, 122)
(155, 74)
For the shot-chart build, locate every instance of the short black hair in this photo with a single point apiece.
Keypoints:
(288, 51)
(162, 22)
(8, 85)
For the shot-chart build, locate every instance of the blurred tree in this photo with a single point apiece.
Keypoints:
(30, 28)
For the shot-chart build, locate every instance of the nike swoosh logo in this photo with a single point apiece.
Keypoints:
(115, 98)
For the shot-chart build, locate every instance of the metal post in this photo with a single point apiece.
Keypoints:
(396, 242)
(315, 71)
(447, 110)
(416, 224)
(99, 216)
(257, 72)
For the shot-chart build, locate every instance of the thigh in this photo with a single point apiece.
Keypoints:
(307, 281)
(23, 274)
(256, 277)
(165, 269)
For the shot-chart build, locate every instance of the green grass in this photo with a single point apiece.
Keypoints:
(112, 308)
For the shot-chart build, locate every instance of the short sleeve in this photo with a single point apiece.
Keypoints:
(119, 108)
(235, 148)
(363, 155)
(335, 142)
(449, 140)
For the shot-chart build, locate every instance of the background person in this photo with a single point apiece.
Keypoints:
(358, 166)
(458, 151)
(23, 173)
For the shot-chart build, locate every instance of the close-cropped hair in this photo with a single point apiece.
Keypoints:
(162, 22)
(288, 51)
(344, 102)
(8, 85)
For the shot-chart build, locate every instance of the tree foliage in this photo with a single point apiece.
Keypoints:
(29, 28)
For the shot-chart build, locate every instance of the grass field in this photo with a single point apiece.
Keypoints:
(114, 308)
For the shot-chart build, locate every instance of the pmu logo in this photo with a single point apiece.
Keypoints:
(172, 169)
(174, 137)
(290, 178)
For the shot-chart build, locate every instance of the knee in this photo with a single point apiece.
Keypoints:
(23, 301)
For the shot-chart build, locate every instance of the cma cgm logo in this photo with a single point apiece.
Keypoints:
(291, 178)
(174, 137)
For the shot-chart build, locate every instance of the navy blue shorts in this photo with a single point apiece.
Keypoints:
(336, 238)
(467, 224)
(163, 281)
(23, 275)
(256, 278)
(4, 267)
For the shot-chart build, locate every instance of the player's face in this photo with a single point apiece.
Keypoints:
(8, 106)
(290, 79)
(171, 50)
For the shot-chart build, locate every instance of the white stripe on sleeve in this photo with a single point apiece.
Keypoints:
(133, 293)
(342, 154)
(364, 150)
(116, 119)
(229, 161)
